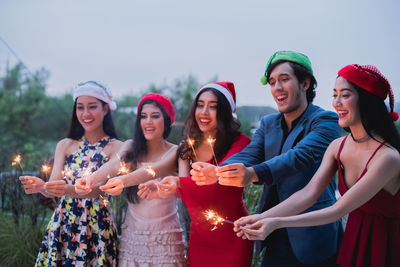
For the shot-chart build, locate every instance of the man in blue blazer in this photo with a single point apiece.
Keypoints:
(285, 152)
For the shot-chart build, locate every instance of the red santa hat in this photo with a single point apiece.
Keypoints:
(369, 78)
(226, 88)
(164, 101)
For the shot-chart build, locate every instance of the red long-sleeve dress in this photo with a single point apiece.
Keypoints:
(220, 246)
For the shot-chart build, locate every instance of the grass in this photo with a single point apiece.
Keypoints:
(19, 243)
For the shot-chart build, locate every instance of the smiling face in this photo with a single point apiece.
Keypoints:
(152, 122)
(345, 102)
(206, 113)
(288, 93)
(90, 113)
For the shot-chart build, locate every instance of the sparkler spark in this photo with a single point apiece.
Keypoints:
(150, 171)
(123, 169)
(45, 169)
(211, 142)
(105, 200)
(215, 219)
(17, 160)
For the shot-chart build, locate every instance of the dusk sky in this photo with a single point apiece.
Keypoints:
(129, 45)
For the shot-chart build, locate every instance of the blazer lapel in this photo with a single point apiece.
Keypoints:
(297, 130)
(273, 140)
(292, 137)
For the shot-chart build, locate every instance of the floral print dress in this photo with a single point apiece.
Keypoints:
(81, 231)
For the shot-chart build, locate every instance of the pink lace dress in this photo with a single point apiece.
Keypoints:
(151, 234)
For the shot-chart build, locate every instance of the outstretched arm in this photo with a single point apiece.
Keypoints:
(382, 170)
(141, 175)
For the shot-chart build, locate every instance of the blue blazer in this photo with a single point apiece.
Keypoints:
(292, 168)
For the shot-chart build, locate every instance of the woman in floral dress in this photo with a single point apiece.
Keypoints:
(81, 231)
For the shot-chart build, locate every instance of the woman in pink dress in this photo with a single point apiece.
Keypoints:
(151, 234)
(210, 119)
(368, 165)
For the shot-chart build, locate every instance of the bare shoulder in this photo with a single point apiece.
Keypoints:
(115, 145)
(127, 144)
(67, 146)
(389, 156)
(334, 146)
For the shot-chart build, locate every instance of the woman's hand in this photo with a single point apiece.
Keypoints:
(203, 173)
(148, 190)
(56, 188)
(163, 189)
(32, 184)
(82, 187)
(167, 186)
(114, 186)
(258, 230)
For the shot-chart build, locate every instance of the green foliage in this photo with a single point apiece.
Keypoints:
(19, 243)
(22, 223)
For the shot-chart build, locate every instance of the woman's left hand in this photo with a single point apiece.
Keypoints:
(258, 230)
(113, 187)
(56, 188)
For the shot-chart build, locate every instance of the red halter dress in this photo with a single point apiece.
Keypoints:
(372, 235)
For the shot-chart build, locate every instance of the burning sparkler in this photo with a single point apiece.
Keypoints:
(123, 169)
(17, 160)
(215, 219)
(151, 171)
(45, 169)
(211, 142)
(191, 144)
(105, 200)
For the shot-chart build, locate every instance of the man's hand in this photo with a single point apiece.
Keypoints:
(32, 184)
(203, 173)
(236, 174)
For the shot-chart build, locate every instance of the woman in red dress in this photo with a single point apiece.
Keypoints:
(210, 119)
(368, 165)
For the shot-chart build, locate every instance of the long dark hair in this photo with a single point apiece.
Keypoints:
(76, 130)
(228, 128)
(301, 74)
(139, 146)
(375, 117)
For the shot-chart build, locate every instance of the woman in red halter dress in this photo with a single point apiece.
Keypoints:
(368, 165)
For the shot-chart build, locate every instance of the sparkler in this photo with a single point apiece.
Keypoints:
(17, 160)
(123, 169)
(211, 142)
(215, 219)
(45, 169)
(191, 144)
(150, 171)
(105, 200)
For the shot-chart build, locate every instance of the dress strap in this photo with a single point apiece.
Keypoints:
(340, 148)
(166, 152)
(373, 154)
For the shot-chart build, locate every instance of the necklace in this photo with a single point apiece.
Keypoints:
(362, 139)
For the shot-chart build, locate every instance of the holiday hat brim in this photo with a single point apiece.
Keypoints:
(287, 55)
(226, 88)
(164, 101)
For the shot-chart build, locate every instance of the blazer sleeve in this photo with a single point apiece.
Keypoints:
(305, 155)
(253, 153)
